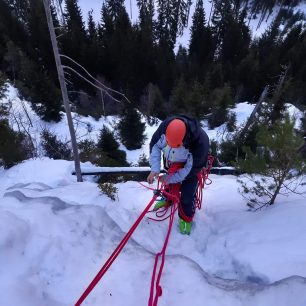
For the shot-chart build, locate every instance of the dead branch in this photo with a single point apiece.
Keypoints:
(104, 87)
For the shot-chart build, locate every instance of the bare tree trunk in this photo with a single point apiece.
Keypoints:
(255, 110)
(61, 78)
(211, 11)
(278, 188)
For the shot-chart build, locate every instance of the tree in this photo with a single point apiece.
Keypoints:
(14, 146)
(91, 51)
(73, 42)
(53, 147)
(39, 36)
(131, 129)
(197, 102)
(276, 168)
(20, 9)
(110, 155)
(145, 48)
(118, 44)
(178, 96)
(221, 99)
(171, 21)
(2, 86)
(201, 44)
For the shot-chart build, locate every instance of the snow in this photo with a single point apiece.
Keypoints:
(56, 233)
(85, 127)
(89, 128)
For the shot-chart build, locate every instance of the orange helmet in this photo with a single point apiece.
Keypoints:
(175, 133)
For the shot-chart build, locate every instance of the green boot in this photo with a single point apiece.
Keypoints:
(159, 204)
(185, 227)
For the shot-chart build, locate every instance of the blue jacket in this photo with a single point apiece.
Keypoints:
(193, 153)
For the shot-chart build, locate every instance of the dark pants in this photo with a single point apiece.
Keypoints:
(188, 196)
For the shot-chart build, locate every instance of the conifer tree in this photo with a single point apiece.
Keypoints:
(172, 19)
(39, 35)
(131, 121)
(182, 63)
(196, 101)
(269, 52)
(178, 96)
(74, 38)
(117, 41)
(13, 146)
(221, 99)
(2, 87)
(110, 154)
(54, 147)
(20, 9)
(276, 167)
(145, 52)
(201, 45)
(92, 48)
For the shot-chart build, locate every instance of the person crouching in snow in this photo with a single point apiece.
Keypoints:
(182, 140)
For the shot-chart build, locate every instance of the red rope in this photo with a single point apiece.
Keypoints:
(172, 193)
(202, 181)
(114, 255)
(119, 248)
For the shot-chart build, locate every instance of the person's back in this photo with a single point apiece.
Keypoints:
(181, 139)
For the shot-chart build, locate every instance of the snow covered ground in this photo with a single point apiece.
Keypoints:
(22, 115)
(55, 235)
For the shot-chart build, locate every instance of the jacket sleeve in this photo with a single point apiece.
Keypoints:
(199, 152)
(181, 174)
(155, 155)
(158, 133)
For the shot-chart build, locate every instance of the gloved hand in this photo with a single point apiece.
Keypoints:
(152, 176)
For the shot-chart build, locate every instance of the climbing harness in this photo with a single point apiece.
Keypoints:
(172, 194)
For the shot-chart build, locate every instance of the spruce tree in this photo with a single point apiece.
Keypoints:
(53, 147)
(145, 51)
(221, 99)
(110, 155)
(276, 167)
(118, 43)
(39, 36)
(201, 44)
(13, 146)
(74, 39)
(131, 129)
(92, 45)
(172, 19)
(2, 86)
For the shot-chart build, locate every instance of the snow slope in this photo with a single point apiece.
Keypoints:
(22, 115)
(55, 235)
(88, 128)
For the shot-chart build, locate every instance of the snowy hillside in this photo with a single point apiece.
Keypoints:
(22, 115)
(56, 234)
